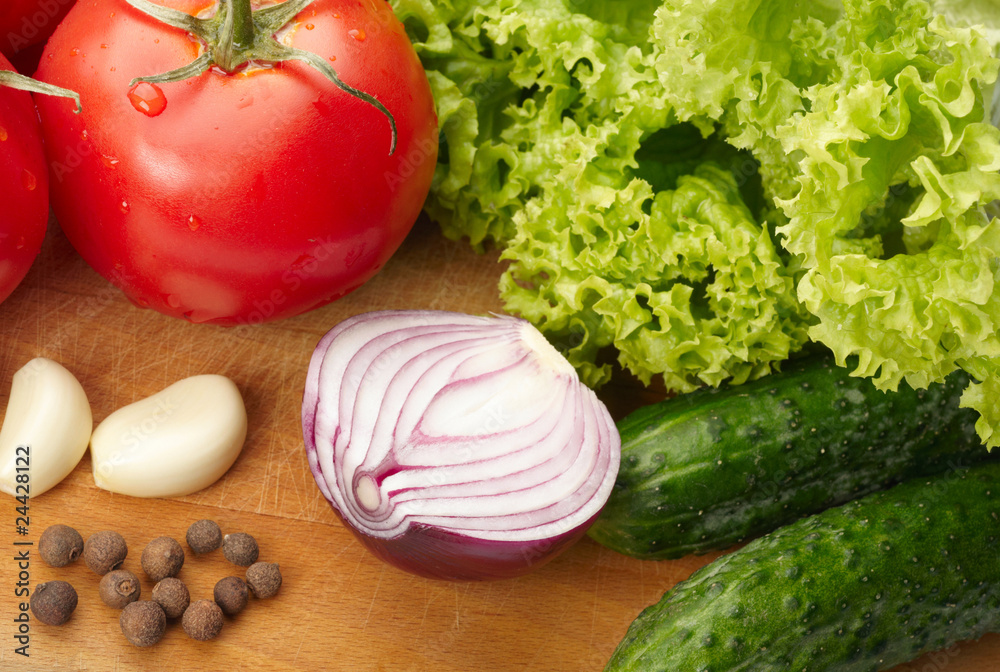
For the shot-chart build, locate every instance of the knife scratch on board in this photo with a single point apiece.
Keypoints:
(302, 639)
(428, 599)
(458, 609)
(374, 596)
(344, 549)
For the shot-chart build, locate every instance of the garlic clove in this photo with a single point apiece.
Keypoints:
(45, 430)
(173, 443)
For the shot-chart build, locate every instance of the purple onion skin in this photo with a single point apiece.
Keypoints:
(434, 553)
(438, 554)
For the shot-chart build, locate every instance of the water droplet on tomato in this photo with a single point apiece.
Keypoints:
(333, 58)
(3, 134)
(124, 207)
(74, 52)
(303, 261)
(357, 34)
(109, 161)
(104, 46)
(148, 98)
(323, 108)
(309, 26)
(336, 15)
(21, 242)
(83, 134)
(29, 180)
(156, 41)
(258, 190)
(194, 222)
(353, 256)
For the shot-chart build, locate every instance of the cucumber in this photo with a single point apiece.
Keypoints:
(858, 588)
(712, 468)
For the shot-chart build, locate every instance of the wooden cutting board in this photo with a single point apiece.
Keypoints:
(339, 607)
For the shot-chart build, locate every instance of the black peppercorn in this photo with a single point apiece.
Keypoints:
(53, 602)
(231, 594)
(202, 620)
(119, 588)
(60, 545)
(173, 596)
(264, 579)
(161, 558)
(104, 551)
(204, 536)
(240, 549)
(143, 623)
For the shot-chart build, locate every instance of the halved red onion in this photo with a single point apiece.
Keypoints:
(455, 446)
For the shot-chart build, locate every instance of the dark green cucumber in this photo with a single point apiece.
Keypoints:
(706, 470)
(858, 588)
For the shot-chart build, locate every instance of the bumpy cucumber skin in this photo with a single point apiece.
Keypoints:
(858, 588)
(709, 469)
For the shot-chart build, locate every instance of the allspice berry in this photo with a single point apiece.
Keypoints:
(264, 579)
(231, 594)
(173, 596)
(143, 623)
(161, 558)
(204, 536)
(60, 545)
(203, 620)
(240, 549)
(53, 602)
(104, 551)
(119, 588)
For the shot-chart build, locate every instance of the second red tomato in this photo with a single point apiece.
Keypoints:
(28, 23)
(24, 185)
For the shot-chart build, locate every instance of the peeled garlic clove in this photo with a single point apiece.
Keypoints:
(45, 429)
(176, 442)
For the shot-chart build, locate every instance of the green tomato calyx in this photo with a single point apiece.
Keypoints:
(237, 35)
(14, 80)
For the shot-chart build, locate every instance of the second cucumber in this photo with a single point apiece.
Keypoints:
(858, 588)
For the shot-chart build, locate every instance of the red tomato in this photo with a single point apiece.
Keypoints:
(25, 23)
(24, 185)
(236, 198)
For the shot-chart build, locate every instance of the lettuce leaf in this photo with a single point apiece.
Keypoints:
(528, 87)
(694, 290)
(705, 186)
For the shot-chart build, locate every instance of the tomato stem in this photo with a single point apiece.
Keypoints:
(13, 80)
(236, 35)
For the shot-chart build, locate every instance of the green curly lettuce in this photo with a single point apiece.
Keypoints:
(891, 107)
(525, 87)
(707, 185)
(694, 290)
(985, 15)
(556, 143)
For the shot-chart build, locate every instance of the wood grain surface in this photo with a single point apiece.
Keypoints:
(339, 607)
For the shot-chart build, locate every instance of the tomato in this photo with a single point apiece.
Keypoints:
(26, 23)
(236, 198)
(24, 185)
